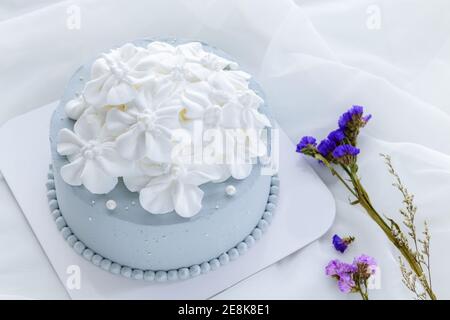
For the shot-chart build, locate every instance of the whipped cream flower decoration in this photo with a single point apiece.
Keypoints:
(225, 84)
(75, 107)
(144, 128)
(195, 100)
(214, 62)
(177, 189)
(129, 115)
(178, 63)
(116, 76)
(93, 162)
(146, 169)
(242, 112)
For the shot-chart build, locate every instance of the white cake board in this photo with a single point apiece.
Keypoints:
(305, 211)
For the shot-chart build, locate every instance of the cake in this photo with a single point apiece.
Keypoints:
(156, 171)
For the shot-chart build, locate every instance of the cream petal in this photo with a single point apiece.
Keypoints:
(120, 94)
(152, 168)
(260, 119)
(163, 92)
(192, 50)
(256, 146)
(117, 122)
(75, 107)
(240, 170)
(113, 164)
(220, 81)
(136, 183)
(195, 100)
(231, 115)
(89, 126)
(168, 117)
(200, 174)
(93, 91)
(197, 71)
(248, 120)
(187, 199)
(127, 51)
(95, 179)
(238, 79)
(99, 68)
(168, 62)
(152, 61)
(159, 149)
(68, 142)
(131, 144)
(159, 46)
(141, 101)
(224, 173)
(193, 110)
(156, 197)
(71, 172)
(250, 99)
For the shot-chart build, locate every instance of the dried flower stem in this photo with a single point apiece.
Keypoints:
(361, 288)
(339, 149)
(418, 261)
(421, 255)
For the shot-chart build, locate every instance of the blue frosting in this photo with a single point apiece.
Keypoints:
(163, 275)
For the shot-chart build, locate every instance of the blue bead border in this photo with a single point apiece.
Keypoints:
(161, 275)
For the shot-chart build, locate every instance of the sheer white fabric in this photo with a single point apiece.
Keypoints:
(314, 59)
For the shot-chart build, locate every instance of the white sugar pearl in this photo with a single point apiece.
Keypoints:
(230, 190)
(111, 205)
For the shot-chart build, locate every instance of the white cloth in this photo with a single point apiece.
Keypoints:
(314, 59)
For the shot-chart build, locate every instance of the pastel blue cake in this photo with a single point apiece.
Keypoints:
(115, 232)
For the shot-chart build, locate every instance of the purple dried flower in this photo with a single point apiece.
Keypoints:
(365, 259)
(305, 142)
(345, 154)
(367, 118)
(346, 283)
(353, 114)
(336, 136)
(352, 277)
(337, 268)
(366, 265)
(351, 121)
(326, 147)
(343, 272)
(341, 244)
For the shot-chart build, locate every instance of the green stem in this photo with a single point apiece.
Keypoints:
(334, 172)
(363, 292)
(406, 253)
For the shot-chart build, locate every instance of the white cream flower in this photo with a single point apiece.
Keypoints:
(144, 128)
(226, 83)
(242, 112)
(178, 63)
(177, 189)
(93, 162)
(115, 76)
(146, 169)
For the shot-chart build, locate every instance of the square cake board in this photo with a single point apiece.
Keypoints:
(304, 212)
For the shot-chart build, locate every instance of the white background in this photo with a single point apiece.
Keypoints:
(314, 59)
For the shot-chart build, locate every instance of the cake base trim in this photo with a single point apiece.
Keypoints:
(161, 275)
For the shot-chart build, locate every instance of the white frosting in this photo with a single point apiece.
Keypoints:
(75, 108)
(129, 113)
